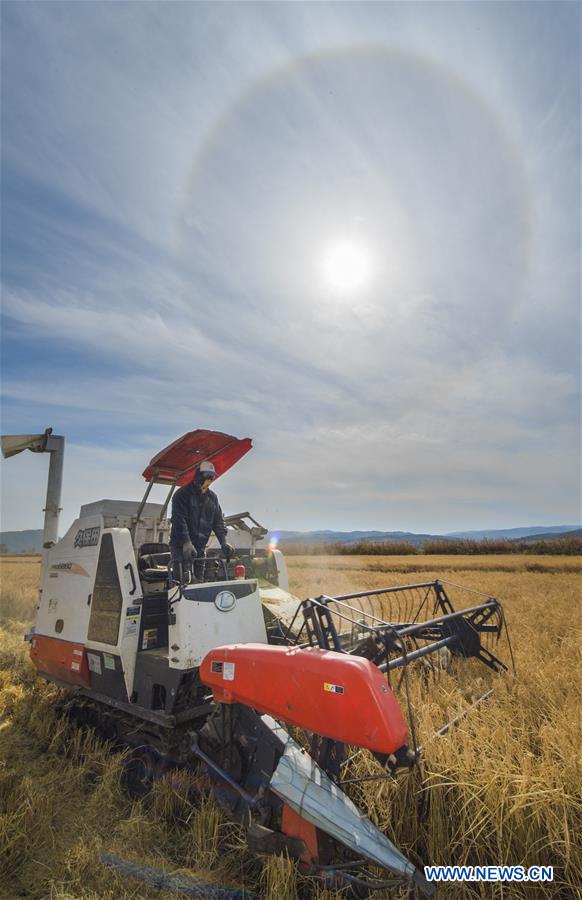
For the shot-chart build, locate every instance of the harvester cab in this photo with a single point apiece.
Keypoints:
(199, 671)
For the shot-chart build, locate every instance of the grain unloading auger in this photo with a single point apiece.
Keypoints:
(201, 673)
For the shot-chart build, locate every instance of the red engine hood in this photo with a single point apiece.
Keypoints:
(177, 463)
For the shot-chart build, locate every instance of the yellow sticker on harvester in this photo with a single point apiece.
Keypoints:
(333, 688)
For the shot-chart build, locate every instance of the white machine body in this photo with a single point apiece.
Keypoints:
(91, 596)
(210, 615)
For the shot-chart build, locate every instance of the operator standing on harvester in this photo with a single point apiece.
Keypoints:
(195, 513)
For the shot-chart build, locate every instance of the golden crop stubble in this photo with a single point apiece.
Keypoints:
(505, 785)
(502, 787)
(19, 577)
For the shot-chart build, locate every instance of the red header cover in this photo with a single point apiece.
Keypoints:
(342, 697)
(177, 463)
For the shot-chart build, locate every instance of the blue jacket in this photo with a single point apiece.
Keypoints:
(194, 516)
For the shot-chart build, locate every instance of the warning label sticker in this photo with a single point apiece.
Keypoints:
(150, 638)
(131, 620)
(109, 661)
(131, 626)
(94, 663)
(228, 671)
(333, 688)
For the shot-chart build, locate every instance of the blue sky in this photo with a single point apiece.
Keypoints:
(178, 177)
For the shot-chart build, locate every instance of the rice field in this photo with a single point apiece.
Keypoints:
(504, 787)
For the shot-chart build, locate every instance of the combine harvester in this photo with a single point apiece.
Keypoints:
(201, 673)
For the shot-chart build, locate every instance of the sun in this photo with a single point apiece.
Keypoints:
(347, 267)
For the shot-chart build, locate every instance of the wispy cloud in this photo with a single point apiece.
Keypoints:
(173, 178)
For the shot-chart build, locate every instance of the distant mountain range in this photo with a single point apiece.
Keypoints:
(349, 537)
(31, 541)
(549, 536)
(537, 532)
(21, 541)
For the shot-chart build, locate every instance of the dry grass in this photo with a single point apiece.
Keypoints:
(61, 797)
(503, 787)
(324, 569)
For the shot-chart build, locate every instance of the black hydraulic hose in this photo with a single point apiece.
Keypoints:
(248, 798)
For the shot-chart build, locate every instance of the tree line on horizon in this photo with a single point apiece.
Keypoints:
(563, 546)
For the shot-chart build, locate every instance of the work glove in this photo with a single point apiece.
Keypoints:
(228, 551)
(188, 551)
